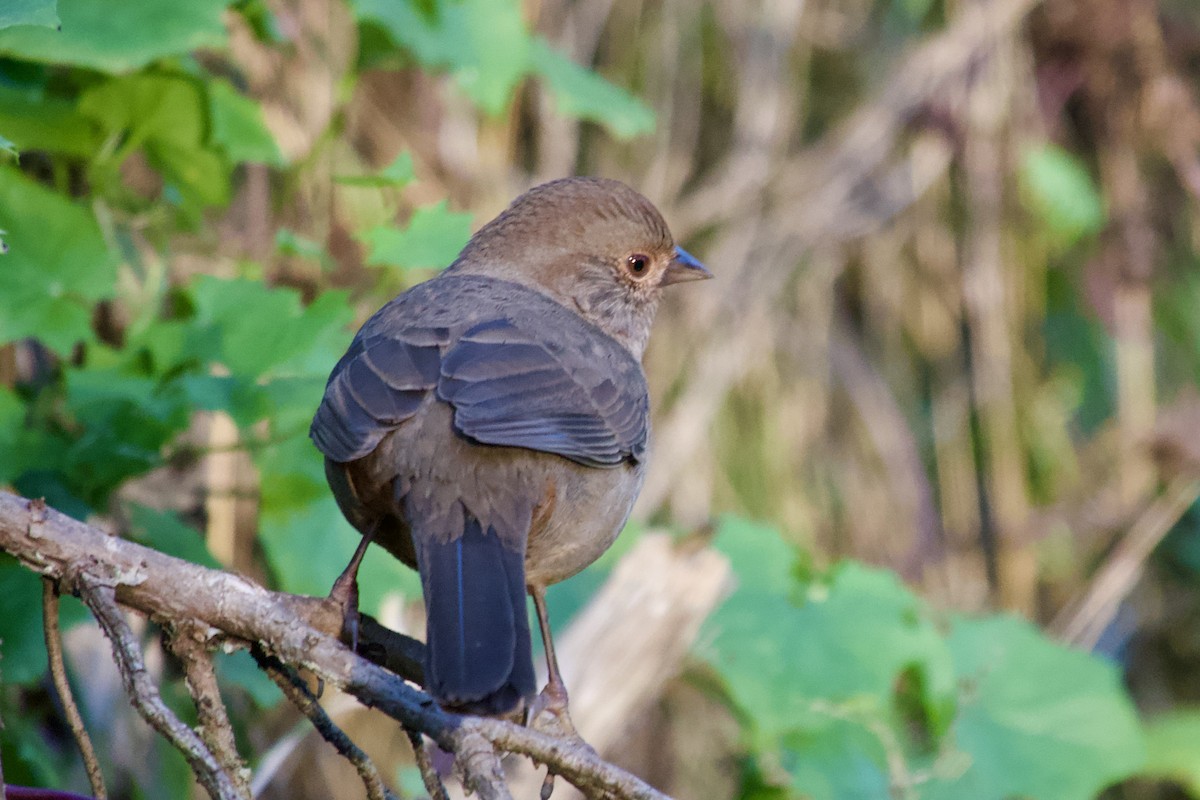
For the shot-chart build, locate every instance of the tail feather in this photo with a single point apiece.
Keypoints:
(478, 657)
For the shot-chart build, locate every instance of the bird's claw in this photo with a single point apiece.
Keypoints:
(344, 596)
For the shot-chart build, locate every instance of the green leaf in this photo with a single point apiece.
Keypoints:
(35, 121)
(837, 759)
(263, 331)
(29, 758)
(1061, 194)
(1036, 719)
(238, 127)
(398, 174)
(124, 421)
(579, 92)
(484, 43)
(7, 146)
(166, 532)
(848, 639)
(22, 642)
(433, 237)
(119, 36)
(28, 12)
(22, 646)
(57, 266)
(307, 547)
(1173, 748)
(167, 116)
(12, 426)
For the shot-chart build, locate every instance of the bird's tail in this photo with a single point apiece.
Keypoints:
(478, 657)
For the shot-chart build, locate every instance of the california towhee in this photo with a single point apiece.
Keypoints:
(490, 427)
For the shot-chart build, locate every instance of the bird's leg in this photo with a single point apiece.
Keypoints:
(554, 697)
(345, 591)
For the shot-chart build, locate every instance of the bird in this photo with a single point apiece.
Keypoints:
(490, 426)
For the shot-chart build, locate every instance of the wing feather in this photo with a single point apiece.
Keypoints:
(582, 397)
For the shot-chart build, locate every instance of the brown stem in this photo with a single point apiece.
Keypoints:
(58, 674)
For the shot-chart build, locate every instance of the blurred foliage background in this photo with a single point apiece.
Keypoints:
(941, 399)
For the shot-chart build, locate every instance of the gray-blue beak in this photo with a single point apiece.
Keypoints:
(684, 267)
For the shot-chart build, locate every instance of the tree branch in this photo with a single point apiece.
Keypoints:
(189, 642)
(101, 599)
(294, 689)
(291, 628)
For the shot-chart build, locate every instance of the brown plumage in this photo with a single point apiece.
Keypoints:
(490, 427)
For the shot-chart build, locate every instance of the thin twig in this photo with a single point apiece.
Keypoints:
(298, 693)
(433, 783)
(58, 674)
(189, 644)
(1084, 621)
(101, 599)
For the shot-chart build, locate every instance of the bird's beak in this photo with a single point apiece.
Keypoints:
(684, 267)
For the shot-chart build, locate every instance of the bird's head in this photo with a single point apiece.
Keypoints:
(592, 244)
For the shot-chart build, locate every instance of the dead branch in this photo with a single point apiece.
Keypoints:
(297, 692)
(101, 599)
(189, 643)
(433, 782)
(288, 627)
(1083, 621)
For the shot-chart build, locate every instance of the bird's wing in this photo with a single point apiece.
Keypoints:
(559, 387)
(378, 384)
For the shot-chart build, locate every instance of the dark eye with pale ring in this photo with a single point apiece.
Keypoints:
(637, 264)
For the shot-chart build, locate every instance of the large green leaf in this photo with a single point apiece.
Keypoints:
(28, 12)
(168, 117)
(1036, 719)
(487, 48)
(12, 425)
(484, 43)
(56, 268)
(579, 92)
(22, 646)
(35, 121)
(835, 760)
(262, 331)
(119, 36)
(22, 641)
(432, 238)
(846, 640)
(123, 420)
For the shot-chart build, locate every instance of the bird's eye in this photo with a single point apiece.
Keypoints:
(637, 264)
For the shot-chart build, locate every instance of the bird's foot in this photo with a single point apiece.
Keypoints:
(549, 712)
(344, 597)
